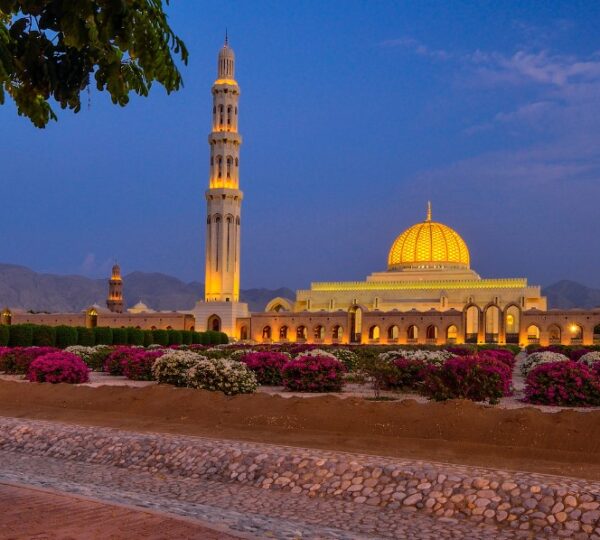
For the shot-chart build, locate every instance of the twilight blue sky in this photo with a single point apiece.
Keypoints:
(354, 114)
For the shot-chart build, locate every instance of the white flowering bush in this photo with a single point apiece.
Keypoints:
(591, 358)
(93, 357)
(216, 352)
(238, 353)
(222, 375)
(430, 357)
(347, 357)
(537, 358)
(317, 352)
(173, 366)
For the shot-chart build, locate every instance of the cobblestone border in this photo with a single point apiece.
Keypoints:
(525, 501)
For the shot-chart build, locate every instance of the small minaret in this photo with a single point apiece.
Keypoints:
(223, 197)
(114, 302)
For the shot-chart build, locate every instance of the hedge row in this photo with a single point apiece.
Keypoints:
(27, 335)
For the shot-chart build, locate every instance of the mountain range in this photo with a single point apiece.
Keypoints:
(21, 287)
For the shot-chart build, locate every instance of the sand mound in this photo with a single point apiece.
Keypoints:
(567, 442)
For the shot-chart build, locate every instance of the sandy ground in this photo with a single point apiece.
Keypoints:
(565, 442)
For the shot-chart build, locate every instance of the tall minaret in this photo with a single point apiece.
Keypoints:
(223, 197)
(114, 302)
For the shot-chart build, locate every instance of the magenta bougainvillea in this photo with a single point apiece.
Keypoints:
(478, 378)
(18, 359)
(313, 374)
(502, 355)
(266, 366)
(58, 367)
(563, 383)
(137, 366)
(113, 364)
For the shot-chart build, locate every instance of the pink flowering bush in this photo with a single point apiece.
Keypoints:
(478, 378)
(58, 367)
(502, 355)
(313, 374)
(137, 365)
(266, 366)
(563, 383)
(113, 364)
(18, 359)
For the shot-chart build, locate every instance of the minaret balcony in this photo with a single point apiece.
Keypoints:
(225, 137)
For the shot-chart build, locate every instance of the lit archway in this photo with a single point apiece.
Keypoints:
(492, 324)
(267, 333)
(338, 333)
(374, 333)
(431, 333)
(533, 333)
(412, 333)
(319, 332)
(393, 333)
(355, 324)
(214, 323)
(6, 317)
(576, 332)
(283, 333)
(471, 324)
(554, 334)
(301, 333)
(452, 333)
(512, 324)
(244, 332)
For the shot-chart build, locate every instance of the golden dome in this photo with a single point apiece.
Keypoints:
(428, 244)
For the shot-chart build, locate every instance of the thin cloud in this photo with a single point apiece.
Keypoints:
(418, 48)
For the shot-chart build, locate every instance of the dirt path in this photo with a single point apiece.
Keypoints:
(564, 443)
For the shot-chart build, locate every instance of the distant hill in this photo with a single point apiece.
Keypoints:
(567, 294)
(21, 287)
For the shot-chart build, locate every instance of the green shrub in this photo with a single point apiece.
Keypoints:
(103, 335)
(135, 336)
(204, 338)
(21, 335)
(85, 336)
(119, 336)
(214, 338)
(148, 338)
(196, 338)
(161, 337)
(44, 336)
(4, 336)
(175, 337)
(223, 338)
(186, 337)
(66, 336)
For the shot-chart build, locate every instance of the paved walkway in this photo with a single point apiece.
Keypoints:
(40, 514)
(241, 508)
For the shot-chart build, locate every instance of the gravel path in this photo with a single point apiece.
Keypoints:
(258, 512)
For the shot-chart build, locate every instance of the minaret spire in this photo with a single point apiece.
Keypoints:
(226, 38)
(428, 211)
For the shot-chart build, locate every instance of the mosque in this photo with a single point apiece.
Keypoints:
(428, 295)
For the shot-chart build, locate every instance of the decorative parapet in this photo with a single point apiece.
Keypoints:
(339, 286)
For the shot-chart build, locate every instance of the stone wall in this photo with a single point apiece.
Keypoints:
(525, 501)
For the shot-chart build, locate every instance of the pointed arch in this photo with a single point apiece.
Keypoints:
(279, 304)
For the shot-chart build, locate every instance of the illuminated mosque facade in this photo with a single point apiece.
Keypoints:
(429, 293)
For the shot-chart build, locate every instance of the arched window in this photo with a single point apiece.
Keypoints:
(393, 332)
(237, 162)
(244, 332)
(266, 333)
(472, 324)
(374, 333)
(492, 324)
(533, 333)
(576, 332)
(338, 333)
(214, 323)
(432, 332)
(412, 333)
(219, 166)
(283, 333)
(229, 164)
(452, 334)
(554, 334)
(221, 114)
(301, 333)
(319, 332)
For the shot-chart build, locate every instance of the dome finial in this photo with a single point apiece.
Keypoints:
(428, 211)
(226, 38)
